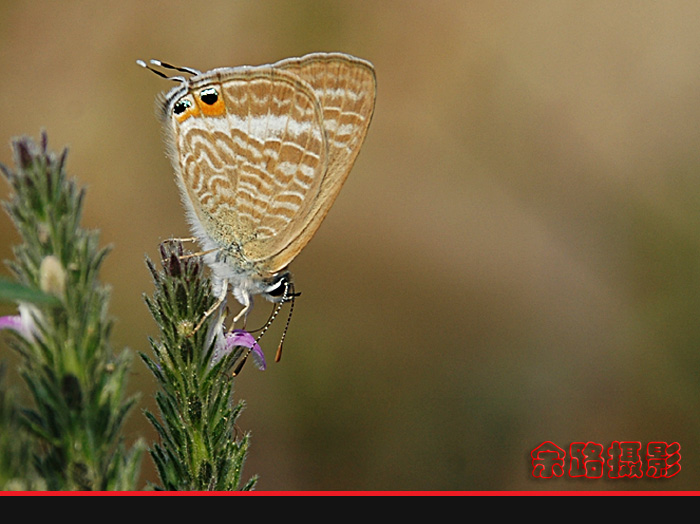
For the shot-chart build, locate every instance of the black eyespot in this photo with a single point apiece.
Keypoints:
(209, 96)
(181, 106)
(277, 289)
(278, 286)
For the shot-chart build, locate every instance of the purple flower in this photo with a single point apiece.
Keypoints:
(240, 338)
(22, 323)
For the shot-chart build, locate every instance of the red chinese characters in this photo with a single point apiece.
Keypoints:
(621, 459)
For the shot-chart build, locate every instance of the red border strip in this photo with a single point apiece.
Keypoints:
(347, 493)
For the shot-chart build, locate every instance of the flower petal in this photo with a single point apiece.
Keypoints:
(13, 322)
(22, 323)
(241, 338)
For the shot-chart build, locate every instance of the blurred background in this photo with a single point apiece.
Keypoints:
(515, 257)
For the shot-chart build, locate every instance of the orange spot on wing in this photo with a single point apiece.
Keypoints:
(216, 109)
(191, 111)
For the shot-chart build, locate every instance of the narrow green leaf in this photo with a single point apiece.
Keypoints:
(11, 291)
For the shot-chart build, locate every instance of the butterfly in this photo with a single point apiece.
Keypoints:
(260, 154)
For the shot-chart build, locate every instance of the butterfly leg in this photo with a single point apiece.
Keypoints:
(221, 298)
(180, 239)
(197, 254)
(190, 255)
(243, 313)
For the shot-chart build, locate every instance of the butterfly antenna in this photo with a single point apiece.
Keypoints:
(278, 355)
(286, 297)
(278, 308)
(165, 65)
(269, 320)
(262, 330)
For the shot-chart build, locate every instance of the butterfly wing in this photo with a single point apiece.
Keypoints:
(251, 167)
(345, 87)
(260, 169)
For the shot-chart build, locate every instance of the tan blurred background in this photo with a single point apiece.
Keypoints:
(515, 257)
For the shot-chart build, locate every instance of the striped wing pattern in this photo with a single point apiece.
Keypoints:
(346, 89)
(262, 175)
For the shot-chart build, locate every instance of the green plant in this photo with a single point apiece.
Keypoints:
(198, 449)
(76, 383)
